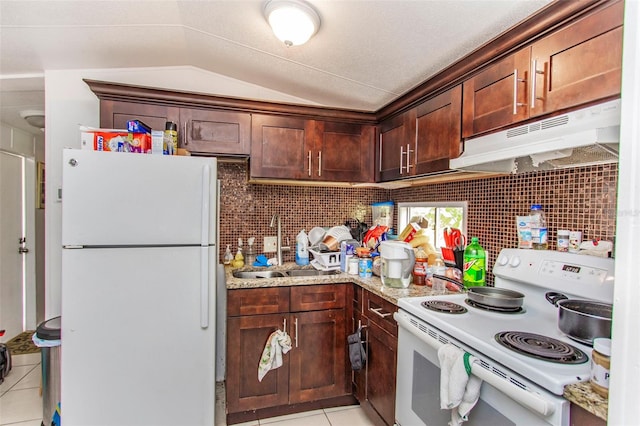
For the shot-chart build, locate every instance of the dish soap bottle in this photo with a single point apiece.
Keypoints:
(228, 256)
(302, 248)
(238, 261)
(474, 265)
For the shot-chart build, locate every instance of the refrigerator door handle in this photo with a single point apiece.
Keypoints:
(204, 249)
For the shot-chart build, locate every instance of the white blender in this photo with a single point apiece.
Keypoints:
(397, 259)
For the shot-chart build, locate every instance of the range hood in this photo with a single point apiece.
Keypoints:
(579, 138)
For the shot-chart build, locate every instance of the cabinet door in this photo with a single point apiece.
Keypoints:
(246, 338)
(438, 138)
(215, 132)
(497, 96)
(381, 372)
(343, 153)
(318, 297)
(580, 63)
(115, 114)
(396, 136)
(280, 147)
(255, 301)
(319, 356)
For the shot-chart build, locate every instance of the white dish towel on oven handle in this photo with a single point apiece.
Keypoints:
(459, 389)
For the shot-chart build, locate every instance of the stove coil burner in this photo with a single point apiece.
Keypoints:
(444, 307)
(473, 303)
(541, 347)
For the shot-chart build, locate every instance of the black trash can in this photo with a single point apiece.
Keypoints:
(48, 336)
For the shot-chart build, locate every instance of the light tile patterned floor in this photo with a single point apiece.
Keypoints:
(339, 416)
(20, 400)
(21, 403)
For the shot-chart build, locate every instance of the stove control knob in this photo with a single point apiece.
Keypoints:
(503, 260)
(515, 262)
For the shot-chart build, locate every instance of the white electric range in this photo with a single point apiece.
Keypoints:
(518, 388)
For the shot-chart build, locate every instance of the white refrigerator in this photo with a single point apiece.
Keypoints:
(138, 289)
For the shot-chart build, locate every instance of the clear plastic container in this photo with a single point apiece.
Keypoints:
(539, 237)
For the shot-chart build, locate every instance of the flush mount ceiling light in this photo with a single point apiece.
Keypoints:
(34, 117)
(292, 21)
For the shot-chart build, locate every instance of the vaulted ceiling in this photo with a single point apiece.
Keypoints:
(366, 53)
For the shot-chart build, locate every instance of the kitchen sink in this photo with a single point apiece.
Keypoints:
(309, 272)
(283, 274)
(259, 274)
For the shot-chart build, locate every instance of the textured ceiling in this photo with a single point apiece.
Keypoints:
(366, 53)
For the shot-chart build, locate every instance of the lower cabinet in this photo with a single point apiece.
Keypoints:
(316, 366)
(375, 385)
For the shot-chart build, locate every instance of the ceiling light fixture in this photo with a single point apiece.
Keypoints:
(294, 22)
(34, 117)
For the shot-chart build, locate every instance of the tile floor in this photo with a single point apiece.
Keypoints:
(20, 400)
(21, 403)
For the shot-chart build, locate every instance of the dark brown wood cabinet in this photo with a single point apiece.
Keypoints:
(215, 132)
(581, 417)
(578, 64)
(301, 149)
(423, 139)
(316, 366)
(375, 386)
(115, 114)
(200, 131)
(396, 136)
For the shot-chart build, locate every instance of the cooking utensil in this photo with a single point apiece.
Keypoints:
(495, 297)
(582, 320)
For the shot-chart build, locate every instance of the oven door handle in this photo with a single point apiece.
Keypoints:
(529, 399)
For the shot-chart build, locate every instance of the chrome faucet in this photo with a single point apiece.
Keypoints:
(279, 249)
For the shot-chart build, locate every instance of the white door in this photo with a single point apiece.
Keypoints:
(13, 263)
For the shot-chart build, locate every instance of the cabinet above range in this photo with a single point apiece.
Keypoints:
(578, 64)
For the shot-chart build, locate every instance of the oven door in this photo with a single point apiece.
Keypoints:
(504, 398)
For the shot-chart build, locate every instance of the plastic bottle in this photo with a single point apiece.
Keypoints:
(170, 142)
(250, 254)
(474, 265)
(228, 256)
(302, 248)
(420, 268)
(538, 228)
(238, 260)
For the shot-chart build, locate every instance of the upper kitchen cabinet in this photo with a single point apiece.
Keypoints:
(302, 149)
(115, 114)
(215, 132)
(204, 131)
(423, 139)
(395, 141)
(575, 65)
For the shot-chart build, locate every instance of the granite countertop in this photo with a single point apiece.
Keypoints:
(373, 284)
(580, 393)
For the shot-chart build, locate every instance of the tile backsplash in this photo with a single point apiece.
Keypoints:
(577, 199)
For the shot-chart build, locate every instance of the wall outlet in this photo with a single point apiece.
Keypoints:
(270, 244)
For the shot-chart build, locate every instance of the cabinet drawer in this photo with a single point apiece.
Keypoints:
(258, 301)
(318, 297)
(380, 312)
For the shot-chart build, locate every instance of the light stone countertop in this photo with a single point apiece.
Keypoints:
(373, 284)
(580, 393)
